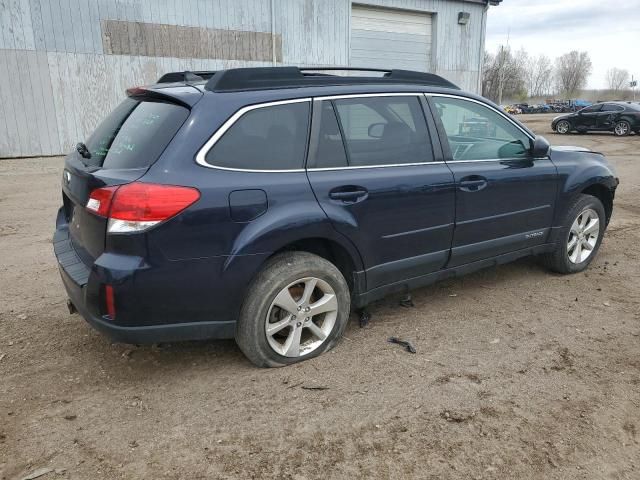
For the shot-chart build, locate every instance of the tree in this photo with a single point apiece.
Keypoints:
(538, 76)
(617, 79)
(503, 74)
(572, 71)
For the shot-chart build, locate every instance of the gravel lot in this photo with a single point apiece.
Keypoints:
(519, 373)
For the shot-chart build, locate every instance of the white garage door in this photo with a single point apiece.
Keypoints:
(383, 38)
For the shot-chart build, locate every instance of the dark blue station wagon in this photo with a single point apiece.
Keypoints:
(265, 204)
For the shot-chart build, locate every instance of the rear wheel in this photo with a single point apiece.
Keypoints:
(622, 128)
(297, 308)
(580, 238)
(563, 126)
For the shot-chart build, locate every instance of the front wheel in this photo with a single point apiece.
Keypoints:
(296, 308)
(580, 237)
(563, 127)
(622, 128)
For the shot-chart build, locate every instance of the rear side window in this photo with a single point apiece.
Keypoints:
(384, 131)
(330, 152)
(135, 134)
(611, 107)
(266, 138)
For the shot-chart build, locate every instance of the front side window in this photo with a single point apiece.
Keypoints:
(384, 130)
(592, 108)
(476, 132)
(265, 138)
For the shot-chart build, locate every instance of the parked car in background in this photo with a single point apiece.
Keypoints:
(512, 110)
(524, 107)
(621, 118)
(265, 203)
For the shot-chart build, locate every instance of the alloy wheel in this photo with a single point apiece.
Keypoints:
(621, 129)
(301, 317)
(583, 236)
(562, 127)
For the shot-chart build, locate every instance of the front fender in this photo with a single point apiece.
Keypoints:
(577, 171)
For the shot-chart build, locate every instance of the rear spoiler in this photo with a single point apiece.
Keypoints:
(186, 76)
(184, 95)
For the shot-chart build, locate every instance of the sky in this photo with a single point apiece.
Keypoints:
(608, 29)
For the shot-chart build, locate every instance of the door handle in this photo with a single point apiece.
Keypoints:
(473, 183)
(349, 194)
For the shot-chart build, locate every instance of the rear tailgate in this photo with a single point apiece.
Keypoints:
(121, 150)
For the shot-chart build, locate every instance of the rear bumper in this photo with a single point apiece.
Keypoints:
(157, 300)
(145, 334)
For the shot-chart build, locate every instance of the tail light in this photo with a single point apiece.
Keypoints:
(137, 206)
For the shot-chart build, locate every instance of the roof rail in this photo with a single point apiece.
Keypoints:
(263, 78)
(186, 76)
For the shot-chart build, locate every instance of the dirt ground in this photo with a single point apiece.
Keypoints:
(519, 373)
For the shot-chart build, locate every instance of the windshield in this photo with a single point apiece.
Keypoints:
(135, 134)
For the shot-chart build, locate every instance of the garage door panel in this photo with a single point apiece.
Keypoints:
(384, 14)
(387, 57)
(370, 35)
(394, 26)
(388, 38)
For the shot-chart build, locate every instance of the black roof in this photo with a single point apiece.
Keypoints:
(266, 78)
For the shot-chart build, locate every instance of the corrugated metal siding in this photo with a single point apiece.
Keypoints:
(385, 38)
(57, 81)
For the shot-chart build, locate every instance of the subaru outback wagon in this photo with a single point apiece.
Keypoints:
(265, 204)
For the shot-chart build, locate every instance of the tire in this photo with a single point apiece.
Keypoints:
(283, 279)
(622, 128)
(563, 127)
(564, 259)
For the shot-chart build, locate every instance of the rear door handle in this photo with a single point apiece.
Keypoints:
(349, 194)
(473, 183)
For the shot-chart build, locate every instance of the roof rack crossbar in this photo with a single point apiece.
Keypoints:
(263, 78)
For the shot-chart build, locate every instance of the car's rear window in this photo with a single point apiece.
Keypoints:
(135, 134)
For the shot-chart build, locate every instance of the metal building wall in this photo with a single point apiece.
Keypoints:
(64, 64)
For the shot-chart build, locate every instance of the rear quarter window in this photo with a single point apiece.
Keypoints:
(135, 134)
(265, 138)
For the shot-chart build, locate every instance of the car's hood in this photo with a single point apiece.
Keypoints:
(571, 148)
(560, 117)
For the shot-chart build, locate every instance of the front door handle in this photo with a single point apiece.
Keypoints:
(349, 194)
(473, 183)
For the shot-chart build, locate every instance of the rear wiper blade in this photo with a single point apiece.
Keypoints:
(82, 149)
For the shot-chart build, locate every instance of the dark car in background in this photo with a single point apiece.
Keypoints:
(265, 203)
(524, 107)
(621, 118)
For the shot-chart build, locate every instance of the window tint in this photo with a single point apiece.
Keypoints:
(330, 151)
(611, 107)
(266, 138)
(384, 131)
(476, 132)
(135, 134)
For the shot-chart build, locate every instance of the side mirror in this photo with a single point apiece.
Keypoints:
(376, 130)
(540, 147)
